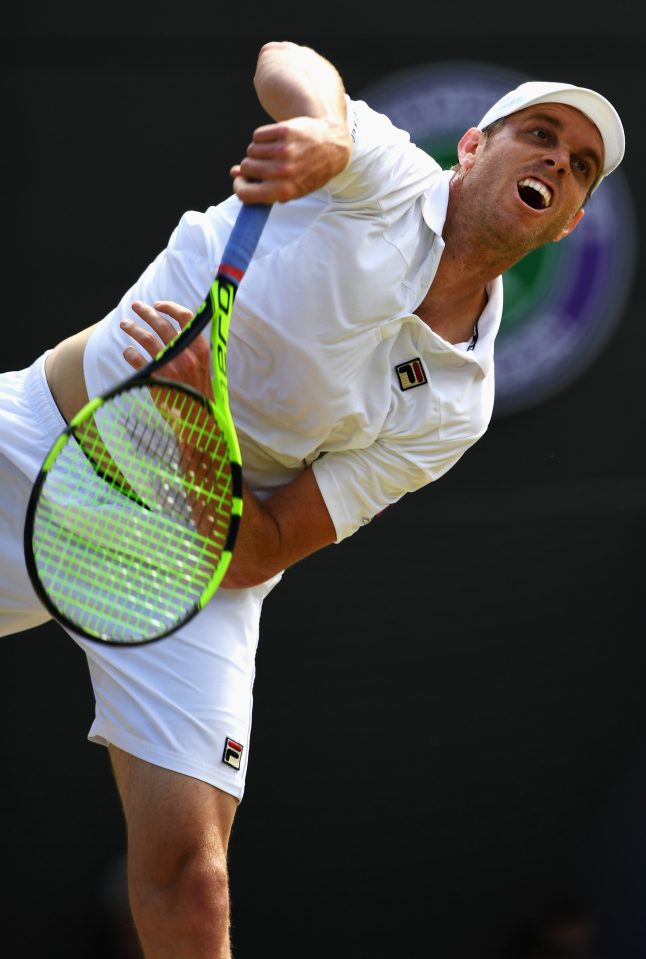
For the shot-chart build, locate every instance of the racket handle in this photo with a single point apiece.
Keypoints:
(243, 240)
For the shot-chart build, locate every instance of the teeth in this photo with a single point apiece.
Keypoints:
(540, 187)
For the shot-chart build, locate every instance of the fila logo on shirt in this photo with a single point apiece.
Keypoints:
(411, 374)
(232, 753)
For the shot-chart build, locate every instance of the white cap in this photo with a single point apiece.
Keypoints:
(592, 104)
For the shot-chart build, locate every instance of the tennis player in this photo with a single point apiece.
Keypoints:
(361, 368)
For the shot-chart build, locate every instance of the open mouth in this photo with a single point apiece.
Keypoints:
(534, 193)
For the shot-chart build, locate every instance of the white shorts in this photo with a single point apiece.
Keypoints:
(183, 702)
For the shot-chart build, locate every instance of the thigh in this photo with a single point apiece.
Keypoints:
(185, 702)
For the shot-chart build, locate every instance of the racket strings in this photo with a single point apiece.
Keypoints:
(134, 516)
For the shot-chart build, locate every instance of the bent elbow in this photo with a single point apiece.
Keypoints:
(240, 577)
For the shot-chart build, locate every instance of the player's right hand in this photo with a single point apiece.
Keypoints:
(290, 159)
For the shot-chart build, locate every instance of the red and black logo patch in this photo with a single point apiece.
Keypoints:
(232, 755)
(411, 374)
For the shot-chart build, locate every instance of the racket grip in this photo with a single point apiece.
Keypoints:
(243, 239)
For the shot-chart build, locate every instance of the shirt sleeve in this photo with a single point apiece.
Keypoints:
(386, 169)
(358, 484)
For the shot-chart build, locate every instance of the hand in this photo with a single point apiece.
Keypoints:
(290, 159)
(192, 366)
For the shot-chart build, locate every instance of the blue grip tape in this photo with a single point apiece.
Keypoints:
(245, 234)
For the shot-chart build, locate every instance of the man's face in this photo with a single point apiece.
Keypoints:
(532, 176)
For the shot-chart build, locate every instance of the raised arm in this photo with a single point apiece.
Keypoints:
(309, 142)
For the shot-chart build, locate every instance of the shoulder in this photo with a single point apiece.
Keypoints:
(384, 158)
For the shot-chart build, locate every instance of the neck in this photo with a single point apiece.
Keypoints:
(451, 310)
(469, 262)
(472, 252)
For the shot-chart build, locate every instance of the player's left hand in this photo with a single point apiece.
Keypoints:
(192, 366)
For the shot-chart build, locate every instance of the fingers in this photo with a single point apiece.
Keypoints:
(263, 191)
(158, 331)
(161, 325)
(179, 313)
(257, 178)
(271, 132)
(146, 339)
(133, 357)
(265, 174)
(291, 159)
(157, 317)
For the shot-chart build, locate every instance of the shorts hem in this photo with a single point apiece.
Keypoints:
(105, 735)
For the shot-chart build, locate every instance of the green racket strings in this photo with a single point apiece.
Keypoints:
(134, 514)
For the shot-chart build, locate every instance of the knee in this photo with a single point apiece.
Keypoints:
(203, 880)
(194, 887)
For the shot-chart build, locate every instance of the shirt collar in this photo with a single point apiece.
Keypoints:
(436, 201)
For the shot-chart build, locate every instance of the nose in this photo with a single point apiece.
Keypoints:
(558, 160)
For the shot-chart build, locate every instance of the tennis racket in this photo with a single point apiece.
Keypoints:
(134, 514)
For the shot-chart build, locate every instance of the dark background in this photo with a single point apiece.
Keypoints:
(450, 726)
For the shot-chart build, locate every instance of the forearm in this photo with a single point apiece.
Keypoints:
(277, 532)
(295, 81)
(308, 144)
(257, 546)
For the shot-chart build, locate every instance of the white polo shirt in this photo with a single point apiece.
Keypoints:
(328, 363)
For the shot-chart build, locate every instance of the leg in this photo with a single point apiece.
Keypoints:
(178, 834)
(176, 716)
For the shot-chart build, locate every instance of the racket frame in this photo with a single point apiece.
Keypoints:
(216, 308)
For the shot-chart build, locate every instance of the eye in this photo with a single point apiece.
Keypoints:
(580, 165)
(540, 133)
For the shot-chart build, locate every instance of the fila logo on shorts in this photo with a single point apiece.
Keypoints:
(411, 374)
(232, 753)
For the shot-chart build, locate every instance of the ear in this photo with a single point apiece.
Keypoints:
(468, 146)
(568, 229)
